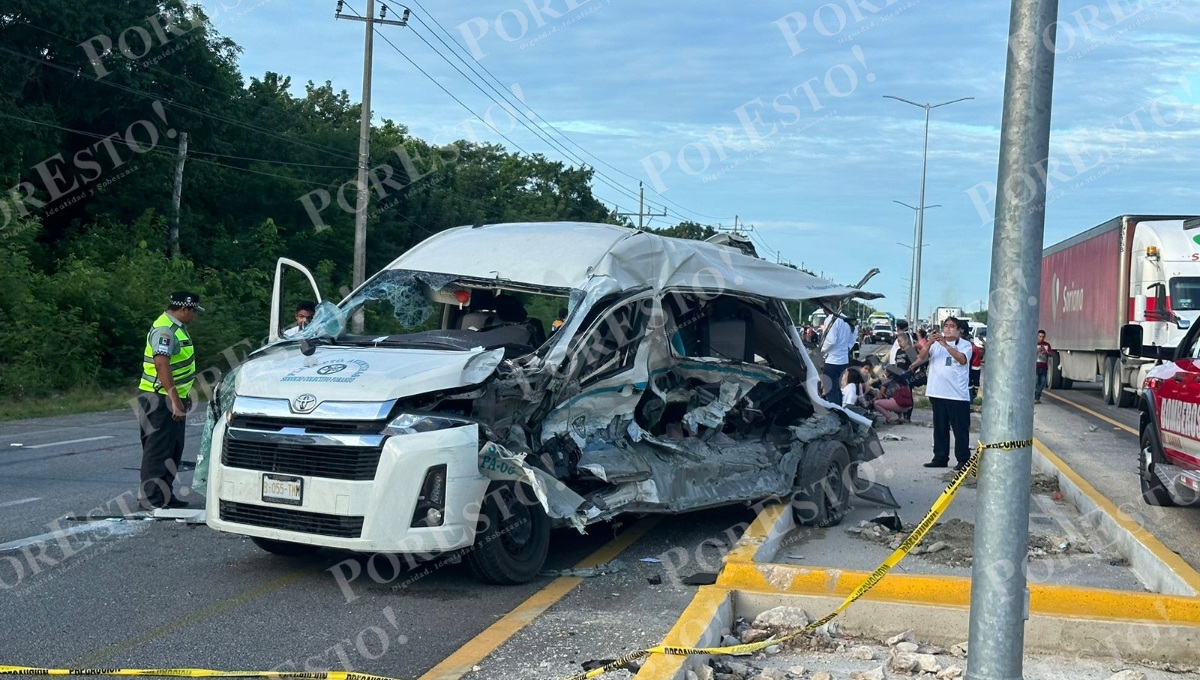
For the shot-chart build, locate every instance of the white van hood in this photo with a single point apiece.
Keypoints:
(373, 374)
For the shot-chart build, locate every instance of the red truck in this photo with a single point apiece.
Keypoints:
(1117, 299)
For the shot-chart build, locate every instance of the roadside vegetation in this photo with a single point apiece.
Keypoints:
(85, 259)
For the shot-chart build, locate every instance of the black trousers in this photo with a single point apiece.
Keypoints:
(833, 392)
(162, 447)
(973, 381)
(951, 414)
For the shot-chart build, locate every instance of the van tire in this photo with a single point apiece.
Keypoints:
(285, 548)
(1153, 491)
(513, 536)
(822, 497)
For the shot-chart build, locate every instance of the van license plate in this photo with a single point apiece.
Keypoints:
(283, 489)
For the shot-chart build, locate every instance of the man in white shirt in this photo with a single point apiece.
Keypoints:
(949, 357)
(835, 347)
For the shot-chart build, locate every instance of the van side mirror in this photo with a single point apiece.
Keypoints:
(1131, 339)
(1182, 324)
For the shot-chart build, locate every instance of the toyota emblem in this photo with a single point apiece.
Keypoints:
(331, 369)
(304, 403)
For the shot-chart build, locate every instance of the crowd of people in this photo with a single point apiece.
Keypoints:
(945, 360)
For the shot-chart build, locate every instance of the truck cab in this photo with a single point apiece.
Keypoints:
(1169, 460)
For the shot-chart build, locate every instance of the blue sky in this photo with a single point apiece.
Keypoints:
(667, 91)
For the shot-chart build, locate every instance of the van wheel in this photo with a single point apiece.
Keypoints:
(285, 548)
(513, 537)
(1153, 491)
(823, 497)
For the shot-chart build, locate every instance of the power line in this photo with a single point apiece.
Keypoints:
(543, 118)
(536, 131)
(167, 101)
(264, 160)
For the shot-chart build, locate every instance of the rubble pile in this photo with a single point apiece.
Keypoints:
(950, 543)
(828, 655)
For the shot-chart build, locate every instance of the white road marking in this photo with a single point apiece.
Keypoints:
(114, 528)
(69, 441)
(8, 504)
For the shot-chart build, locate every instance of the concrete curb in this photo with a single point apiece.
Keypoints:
(1093, 622)
(702, 624)
(1153, 563)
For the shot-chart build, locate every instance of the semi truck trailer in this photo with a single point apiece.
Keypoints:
(1115, 300)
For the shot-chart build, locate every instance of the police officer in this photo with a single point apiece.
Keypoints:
(168, 370)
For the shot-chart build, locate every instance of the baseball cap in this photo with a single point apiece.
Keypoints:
(186, 299)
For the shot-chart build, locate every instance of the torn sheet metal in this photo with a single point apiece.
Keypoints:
(499, 464)
(712, 415)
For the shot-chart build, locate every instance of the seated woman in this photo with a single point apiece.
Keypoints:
(894, 402)
(853, 393)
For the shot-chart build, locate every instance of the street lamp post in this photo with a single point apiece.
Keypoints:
(921, 209)
(914, 313)
(908, 310)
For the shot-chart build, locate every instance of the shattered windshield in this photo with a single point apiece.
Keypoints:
(393, 302)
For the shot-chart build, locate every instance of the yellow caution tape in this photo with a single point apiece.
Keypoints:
(939, 506)
(191, 673)
(935, 512)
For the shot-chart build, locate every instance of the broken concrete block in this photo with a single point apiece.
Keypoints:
(959, 650)
(906, 636)
(822, 676)
(788, 618)
(754, 635)
(905, 647)
(873, 674)
(862, 652)
(904, 662)
(1128, 674)
(704, 672)
(952, 672)
(937, 546)
(928, 663)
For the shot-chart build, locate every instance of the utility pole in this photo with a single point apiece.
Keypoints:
(999, 597)
(642, 213)
(364, 144)
(177, 195)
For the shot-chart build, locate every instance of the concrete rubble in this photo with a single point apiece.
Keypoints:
(824, 656)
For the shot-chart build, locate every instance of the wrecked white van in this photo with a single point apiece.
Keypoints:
(459, 422)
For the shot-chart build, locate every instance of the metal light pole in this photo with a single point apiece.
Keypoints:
(914, 313)
(999, 598)
(908, 314)
(921, 209)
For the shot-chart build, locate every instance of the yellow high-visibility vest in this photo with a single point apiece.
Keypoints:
(183, 365)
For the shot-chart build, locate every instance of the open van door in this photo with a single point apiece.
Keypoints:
(277, 324)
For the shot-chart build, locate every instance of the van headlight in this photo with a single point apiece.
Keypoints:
(414, 423)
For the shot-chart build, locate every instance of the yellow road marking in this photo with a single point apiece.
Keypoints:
(475, 650)
(1089, 411)
(688, 631)
(184, 622)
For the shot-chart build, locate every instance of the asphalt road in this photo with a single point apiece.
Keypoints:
(165, 594)
(1106, 455)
